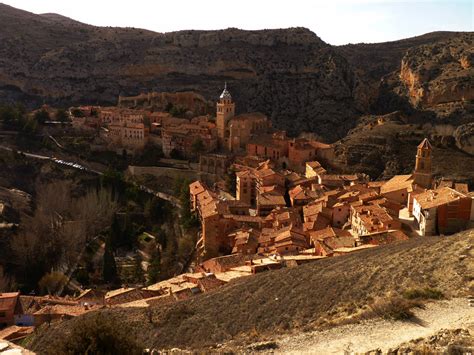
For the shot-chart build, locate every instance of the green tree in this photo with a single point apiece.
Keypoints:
(52, 282)
(109, 270)
(115, 232)
(96, 333)
(77, 113)
(138, 274)
(41, 116)
(30, 127)
(153, 210)
(176, 154)
(230, 181)
(178, 111)
(154, 268)
(169, 106)
(198, 146)
(188, 219)
(62, 115)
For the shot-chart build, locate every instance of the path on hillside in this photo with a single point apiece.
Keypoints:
(381, 334)
(164, 196)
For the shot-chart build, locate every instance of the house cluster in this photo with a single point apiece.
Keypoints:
(20, 314)
(252, 134)
(249, 133)
(278, 211)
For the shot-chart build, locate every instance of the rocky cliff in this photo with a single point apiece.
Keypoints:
(439, 73)
(299, 81)
(291, 75)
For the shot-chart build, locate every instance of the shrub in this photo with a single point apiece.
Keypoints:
(423, 294)
(98, 334)
(394, 308)
(52, 282)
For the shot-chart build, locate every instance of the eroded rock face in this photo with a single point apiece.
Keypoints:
(291, 75)
(439, 73)
(464, 136)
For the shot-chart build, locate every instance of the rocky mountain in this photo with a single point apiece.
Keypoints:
(301, 82)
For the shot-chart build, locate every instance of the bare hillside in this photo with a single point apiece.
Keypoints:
(307, 297)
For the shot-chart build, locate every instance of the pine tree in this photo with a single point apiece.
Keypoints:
(154, 269)
(109, 270)
(138, 270)
(115, 232)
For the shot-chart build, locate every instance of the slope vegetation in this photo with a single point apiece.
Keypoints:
(306, 297)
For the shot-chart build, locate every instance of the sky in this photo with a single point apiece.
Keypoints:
(334, 21)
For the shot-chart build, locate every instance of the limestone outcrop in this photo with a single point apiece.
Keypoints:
(439, 73)
(464, 136)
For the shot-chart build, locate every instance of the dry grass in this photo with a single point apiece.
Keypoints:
(300, 298)
(426, 293)
(394, 308)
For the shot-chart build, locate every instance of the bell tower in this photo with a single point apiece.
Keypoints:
(225, 111)
(422, 174)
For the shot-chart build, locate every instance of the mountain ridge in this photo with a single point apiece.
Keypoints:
(301, 82)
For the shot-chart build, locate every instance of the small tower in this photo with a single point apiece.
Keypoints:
(422, 174)
(225, 111)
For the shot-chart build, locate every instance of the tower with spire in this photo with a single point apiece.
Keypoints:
(225, 111)
(422, 174)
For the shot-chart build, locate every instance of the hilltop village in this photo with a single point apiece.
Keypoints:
(263, 200)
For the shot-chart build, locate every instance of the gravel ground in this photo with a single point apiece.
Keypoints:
(381, 334)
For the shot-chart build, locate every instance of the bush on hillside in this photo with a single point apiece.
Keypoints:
(426, 293)
(98, 334)
(394, 308)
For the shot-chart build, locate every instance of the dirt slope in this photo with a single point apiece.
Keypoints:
(381, 334)
(306, 297)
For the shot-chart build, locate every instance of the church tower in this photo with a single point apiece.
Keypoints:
(422, 174)
(225, 111)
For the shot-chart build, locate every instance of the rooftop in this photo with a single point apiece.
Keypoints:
(438, 197)
(398, 182)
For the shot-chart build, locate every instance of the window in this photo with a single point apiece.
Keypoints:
(3, 314)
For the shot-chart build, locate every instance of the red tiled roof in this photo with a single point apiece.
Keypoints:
(8, 300)
(438, 197)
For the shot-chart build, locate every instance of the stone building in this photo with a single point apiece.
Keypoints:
(245, 241)
(398, 188)
(422, 175)
(368, 219)
(219, 219)
(234, 132)
(246, 190)
(10, 306)
(124, 129)
(215, 164)
(326, 240)
(292, 153)
(189, 140)
(262, 187)
(442, 211)
(314, 169)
